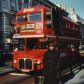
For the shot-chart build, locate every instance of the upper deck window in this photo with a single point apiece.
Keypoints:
(22, 18)
(35, 17)
(30, 17)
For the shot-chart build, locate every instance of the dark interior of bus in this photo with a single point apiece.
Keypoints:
(29, 44)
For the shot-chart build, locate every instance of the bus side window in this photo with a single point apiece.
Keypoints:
(19, 44)
(31, 43)
(43, 45)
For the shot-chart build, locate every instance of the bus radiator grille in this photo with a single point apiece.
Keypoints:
(28, 63)
(21, 64)
(25, 64)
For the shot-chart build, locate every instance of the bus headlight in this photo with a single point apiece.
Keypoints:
(15, 61)
(37, 61)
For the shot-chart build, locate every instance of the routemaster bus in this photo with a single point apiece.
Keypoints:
(35, 28)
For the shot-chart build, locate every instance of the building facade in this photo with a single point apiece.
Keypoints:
(79, 20)
(6, 7)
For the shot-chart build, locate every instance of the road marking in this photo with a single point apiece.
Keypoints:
(18, 74)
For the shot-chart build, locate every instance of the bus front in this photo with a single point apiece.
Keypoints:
(29, 43)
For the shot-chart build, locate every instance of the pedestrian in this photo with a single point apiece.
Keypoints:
(50, 64)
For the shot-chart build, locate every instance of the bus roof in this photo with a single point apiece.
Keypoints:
(31, 10)
(65, 18)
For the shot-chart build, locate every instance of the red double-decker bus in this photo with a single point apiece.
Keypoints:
(34, 28)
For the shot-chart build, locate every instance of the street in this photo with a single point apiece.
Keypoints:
(9, 76)
(13, 78)
(23, 78)
(19, 78)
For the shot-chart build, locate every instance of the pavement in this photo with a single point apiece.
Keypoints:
(77, 79)
(6, 69)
